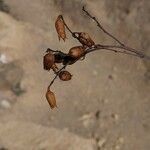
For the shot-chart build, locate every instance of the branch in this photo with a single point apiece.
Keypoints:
(100, 26)
(51, 83)
(126, 49)
(108, 49)
(72, 33)
(120, 46)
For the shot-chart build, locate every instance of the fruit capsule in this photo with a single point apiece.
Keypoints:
(76, 52)
(51, 99)
(65, 75)
(60, 28)
(84, 39)
(48, 61)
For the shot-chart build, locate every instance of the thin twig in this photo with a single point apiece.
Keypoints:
(66, 25)
(128, 49)
(101, 27)
(121, 45)
(72, 33)
(109, 49)
(51, 83)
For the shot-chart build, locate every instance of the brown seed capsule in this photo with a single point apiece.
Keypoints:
(58, 58)
(84, 39)
(60, 28)
(48, 61)
(65, 75)
(76, 52)
(51, 99)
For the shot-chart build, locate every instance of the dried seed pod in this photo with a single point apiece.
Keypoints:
(76, 52)
(84, 39)
(69, 60)
(65, 75)
(51, 99)
(48, 60)
(60, 28)
(58, 58)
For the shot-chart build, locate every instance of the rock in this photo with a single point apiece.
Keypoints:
(24, 135)
(88, 120)
(3, 58)
(10, 76)
(5, 104)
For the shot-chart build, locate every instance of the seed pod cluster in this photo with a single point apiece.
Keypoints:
(84, 39)
(65, 75)
(54, 57)
(60, 28)
(51, 99)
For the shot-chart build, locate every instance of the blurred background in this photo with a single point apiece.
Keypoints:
(106, 104)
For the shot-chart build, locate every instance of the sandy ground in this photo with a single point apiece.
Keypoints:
(106, 104)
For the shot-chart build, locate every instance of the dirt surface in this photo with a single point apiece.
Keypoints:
(106, 104)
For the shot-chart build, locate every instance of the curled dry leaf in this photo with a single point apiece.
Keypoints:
(84, 39)
(48, 61)
(51, 99)
(65, 75)
(60, 28)
(76, 52)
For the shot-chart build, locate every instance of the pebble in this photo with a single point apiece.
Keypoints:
(86, 116)
(101, 142)
(88, 120)
(3, 59)
(5, 104)
(115, 116)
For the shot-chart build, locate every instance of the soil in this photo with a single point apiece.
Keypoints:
(108, 99)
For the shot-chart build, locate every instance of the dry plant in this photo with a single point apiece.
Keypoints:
(87, 45)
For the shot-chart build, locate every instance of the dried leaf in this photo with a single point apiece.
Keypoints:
(51, 99)
(76, 52)
(48, 61)
(60, 28)
(85, 39)
(65, 75)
